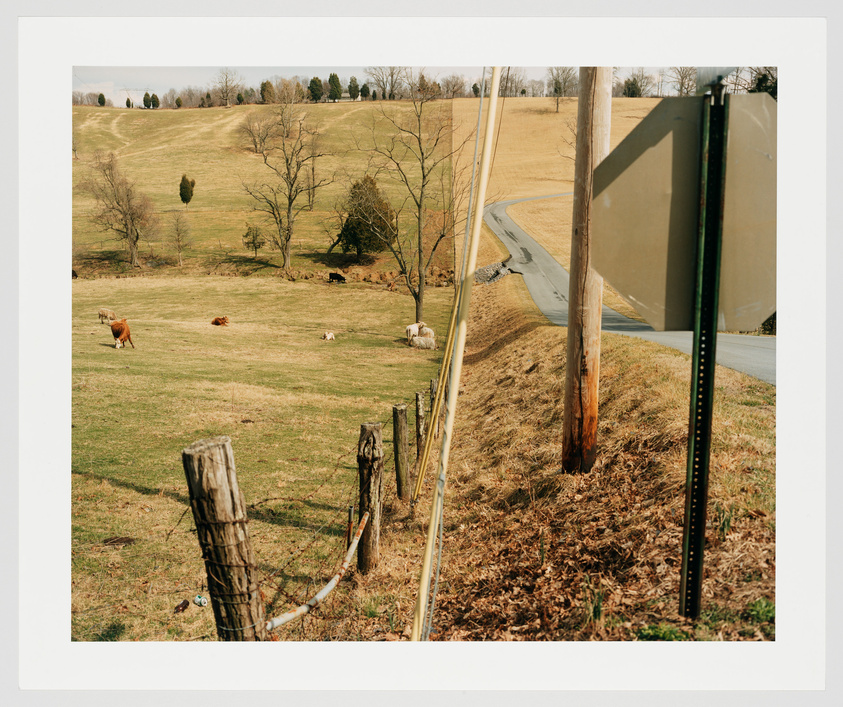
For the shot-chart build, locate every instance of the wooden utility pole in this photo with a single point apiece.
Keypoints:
(402, 450)
(585, 293)
(370, 468)
(219, 511)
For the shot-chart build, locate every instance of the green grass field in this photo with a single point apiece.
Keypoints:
(291, 403)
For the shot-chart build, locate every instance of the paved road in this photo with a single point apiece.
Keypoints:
(547, 282)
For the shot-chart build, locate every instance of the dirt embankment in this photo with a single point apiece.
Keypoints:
(531, 553)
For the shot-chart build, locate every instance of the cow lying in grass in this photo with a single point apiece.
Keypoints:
(423, 342)
(220, 321)
(107, 314)
(120, 331)
(413, 330)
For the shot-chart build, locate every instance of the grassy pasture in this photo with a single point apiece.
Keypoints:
(291, 403)
(154, 149)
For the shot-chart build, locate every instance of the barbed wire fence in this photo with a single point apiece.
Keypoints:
(319, 555)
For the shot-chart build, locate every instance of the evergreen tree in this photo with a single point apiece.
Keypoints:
(128, 103)
(370, 224)
(154, 102)
(209, 102)
(315, 89)
(240, 99)
(178, 102)
(475, 89)
(186, 189)
(631, 88)
(267, 92)
(101, 99)
(334, 88)
(374, 95)
(766, 81)
(147, 101)
(364, 91)
(353, 88)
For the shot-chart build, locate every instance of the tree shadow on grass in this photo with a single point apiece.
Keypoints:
(337, 260)
(244, 264)
(94, 260)
(265, 514)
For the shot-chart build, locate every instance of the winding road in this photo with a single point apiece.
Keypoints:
(547, 282)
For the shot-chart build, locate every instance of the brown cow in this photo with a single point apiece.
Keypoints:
(120, 331)
(220, 321)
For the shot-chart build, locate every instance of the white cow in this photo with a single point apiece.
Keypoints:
(423, 342)
(328, 336)
(413, 330)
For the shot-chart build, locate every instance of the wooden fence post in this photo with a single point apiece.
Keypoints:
(402, 450)
(219, 511)
(370, 468)
(420, 429)
(434, 424)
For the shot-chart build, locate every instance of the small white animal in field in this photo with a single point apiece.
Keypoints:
(426, 332)
(328, 336)
(413, 330)
(107, 314)
(423, 342)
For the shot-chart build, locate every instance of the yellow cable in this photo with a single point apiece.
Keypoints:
(465, 299)
(437, 403)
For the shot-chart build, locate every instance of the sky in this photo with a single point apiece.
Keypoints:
(119, 82)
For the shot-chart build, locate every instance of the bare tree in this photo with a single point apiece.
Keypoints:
(414, 147)
(258, 130)
(684, 79)
(179, 233)
(289, 157)
(226, 85)
(387, 79)
(562, 81)
(646, 82)
(536, 88)
(119, 207)
(513, 79)
(453, 86)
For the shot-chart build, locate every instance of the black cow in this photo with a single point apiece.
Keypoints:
(336, 277)
(74, 274)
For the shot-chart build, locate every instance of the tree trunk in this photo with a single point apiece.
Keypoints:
(585, 295)
(219, 511)
(370, 470)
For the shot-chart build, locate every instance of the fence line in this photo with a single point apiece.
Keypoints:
(320, 596)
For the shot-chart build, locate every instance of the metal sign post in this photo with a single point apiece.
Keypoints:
(713, 162)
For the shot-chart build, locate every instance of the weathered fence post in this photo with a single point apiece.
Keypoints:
(420, 430)
(434, 424)
(219, 511)
(402, 450)
(370, 468)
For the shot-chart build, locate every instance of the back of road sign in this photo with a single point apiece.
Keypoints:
(645, 214)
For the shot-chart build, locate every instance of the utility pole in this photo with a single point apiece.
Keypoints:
(585, 293)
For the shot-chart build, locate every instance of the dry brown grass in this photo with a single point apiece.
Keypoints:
(537, 159)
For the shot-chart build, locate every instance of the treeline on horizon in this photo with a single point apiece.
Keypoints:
(387, 83)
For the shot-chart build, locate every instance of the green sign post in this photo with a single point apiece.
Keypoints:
(712, 198)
